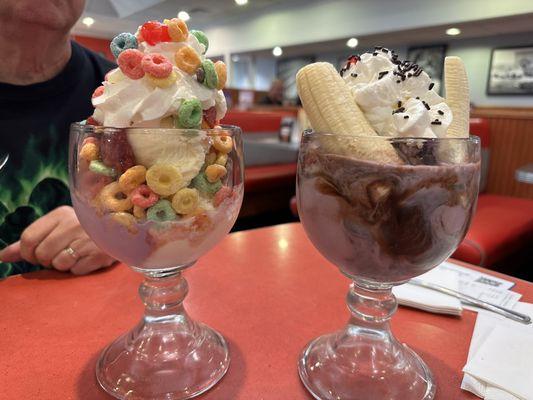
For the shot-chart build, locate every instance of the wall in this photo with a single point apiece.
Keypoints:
(303, 22)
(511, 147)
(475, 53)
(265, 72)
(97, 45)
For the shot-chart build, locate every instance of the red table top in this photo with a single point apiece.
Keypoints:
(268, 291)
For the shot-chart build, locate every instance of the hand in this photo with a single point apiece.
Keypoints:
(47, 242)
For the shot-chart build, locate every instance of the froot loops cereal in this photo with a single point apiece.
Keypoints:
(114, 199)
(123, 42)
(132, 178)
(190, 114)
(155, 164)
(177, 30)
(202, 38)
(157, 65)
(187, 59)
(185, 201)
(164, 179)
(222, 74)
(161, 211)
(211, 78)
(130, 63)
(143, 197)
(163, 82)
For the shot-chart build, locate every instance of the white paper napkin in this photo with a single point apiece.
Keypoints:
(428, 299)
(500, 359)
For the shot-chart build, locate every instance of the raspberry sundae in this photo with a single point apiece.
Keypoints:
(156, 181)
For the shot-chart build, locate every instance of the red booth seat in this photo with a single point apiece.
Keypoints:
(265, 177)
(501, 226)
(256, 121)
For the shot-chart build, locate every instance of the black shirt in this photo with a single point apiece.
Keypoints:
(34, 130)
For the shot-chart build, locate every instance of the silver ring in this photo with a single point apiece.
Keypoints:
(70, 251)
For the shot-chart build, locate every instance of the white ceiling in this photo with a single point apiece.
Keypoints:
(202, 12)
(320, 25)
(429, 35)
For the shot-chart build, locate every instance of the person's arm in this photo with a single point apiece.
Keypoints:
(58, 241)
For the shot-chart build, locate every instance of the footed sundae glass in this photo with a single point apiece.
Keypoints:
(157, 200)
(381, 223)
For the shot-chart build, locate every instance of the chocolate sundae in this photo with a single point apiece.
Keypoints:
(388, 180)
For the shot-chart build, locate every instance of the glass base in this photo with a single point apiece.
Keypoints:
(167, 356)
(163, 360)
(364, 364)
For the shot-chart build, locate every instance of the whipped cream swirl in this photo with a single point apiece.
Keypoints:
(138, 103)
(397, 98)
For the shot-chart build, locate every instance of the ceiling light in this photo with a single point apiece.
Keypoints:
(88, 21)
(184, 15)
(352, 42)
(277, 51)
(453, 31)
(235, 58)
(241, 2)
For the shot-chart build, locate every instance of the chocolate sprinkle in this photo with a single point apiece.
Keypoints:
(406, 117)
(440, 112)
(375, 53)
(382, 74)
(399, 110)
(354, 75)
(436, 123)
(426, 105)
(399, 103)
(353, 59)
(418, 98)
(398, 81)
(431, 86)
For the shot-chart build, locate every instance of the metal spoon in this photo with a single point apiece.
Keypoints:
(511, 314)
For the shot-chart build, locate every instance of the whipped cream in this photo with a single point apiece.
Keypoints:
(397, 98)
(138, 103)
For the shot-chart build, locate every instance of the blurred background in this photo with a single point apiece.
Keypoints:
(261, 40)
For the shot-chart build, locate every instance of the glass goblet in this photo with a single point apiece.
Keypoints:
(138, 216)
(381, 223)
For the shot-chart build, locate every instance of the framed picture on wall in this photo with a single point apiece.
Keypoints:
(431, 59)
(287, 70)
(511, 71)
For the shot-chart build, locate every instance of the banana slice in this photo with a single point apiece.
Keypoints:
(331, 108)
(457, 97)
(329, 103)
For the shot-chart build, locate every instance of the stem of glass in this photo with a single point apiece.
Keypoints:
(163, 298)
(371, 308)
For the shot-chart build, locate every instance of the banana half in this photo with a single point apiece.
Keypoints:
(457, 97)
(331, 108)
